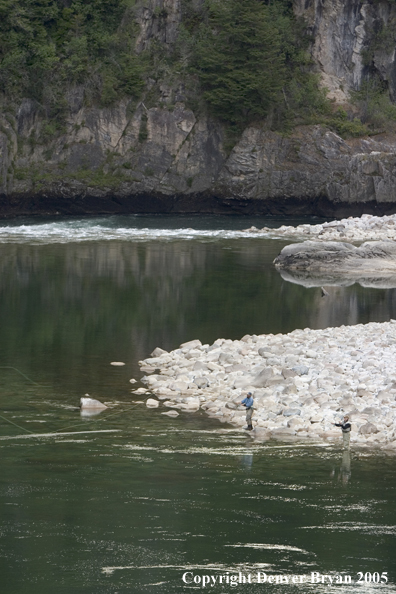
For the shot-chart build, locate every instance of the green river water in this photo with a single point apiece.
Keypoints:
(131, 501)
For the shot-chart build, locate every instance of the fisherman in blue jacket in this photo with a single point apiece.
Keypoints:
(248, 402)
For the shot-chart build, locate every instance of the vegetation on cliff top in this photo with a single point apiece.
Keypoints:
(47, 46)
(243, 60)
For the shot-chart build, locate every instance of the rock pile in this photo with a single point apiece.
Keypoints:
(364, 228)
(302, 382)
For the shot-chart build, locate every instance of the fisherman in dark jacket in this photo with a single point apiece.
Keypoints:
(248, 402)
(346, 431)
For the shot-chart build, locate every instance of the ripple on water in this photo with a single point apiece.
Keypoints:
(81, 231)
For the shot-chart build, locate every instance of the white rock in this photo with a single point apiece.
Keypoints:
(151, 403)
(171, 413)
(140, 391)
(353, 365)
(178, 386)
(91, 403)
(191, 404)
(316, 418)
(192, 344)
(157, 352)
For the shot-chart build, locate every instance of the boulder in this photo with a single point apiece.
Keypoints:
(368, 429)
(236, 367)
(162, 392)
(242, 382)
(264, 352)
(151, 381)
(200, 366)
(301, 369)
(318, 263)
(246, 338)
(91, 403)
(363, 393)
(371, 410)
(151, 403)
(201, 382)
(262, 379)
(157, 352)
(178, 386)
(192, 344)
(291, 412)
(261, 434)
(226, 358)
(191, 404)
(171, 413)
(296, 423)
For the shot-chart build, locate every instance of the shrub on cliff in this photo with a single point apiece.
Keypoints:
(239, 60)
(48, 45)
(251, 60)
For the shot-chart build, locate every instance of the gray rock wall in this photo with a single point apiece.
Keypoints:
(342, 31)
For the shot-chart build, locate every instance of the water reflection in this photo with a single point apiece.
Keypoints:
(247, 461)
(67, 311)
(86, 413)
(344, 473)
(334, 279)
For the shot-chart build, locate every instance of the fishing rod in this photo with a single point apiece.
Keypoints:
(20, 372)
(118, 412)
(107, 416)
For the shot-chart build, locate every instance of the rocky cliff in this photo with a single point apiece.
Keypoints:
(168, 157)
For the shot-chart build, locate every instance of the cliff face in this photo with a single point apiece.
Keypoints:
(344, 32)
(133, 158)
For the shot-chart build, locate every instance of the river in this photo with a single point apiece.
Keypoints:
(131, 500)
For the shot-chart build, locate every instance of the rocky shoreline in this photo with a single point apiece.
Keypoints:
(356, 229)
(303, 382)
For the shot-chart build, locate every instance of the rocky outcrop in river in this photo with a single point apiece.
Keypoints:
(303, 382)
(318, 257)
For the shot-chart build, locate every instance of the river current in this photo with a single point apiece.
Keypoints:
(131, 500)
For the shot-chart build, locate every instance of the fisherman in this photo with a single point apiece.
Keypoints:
(346, 431)
(248, 402)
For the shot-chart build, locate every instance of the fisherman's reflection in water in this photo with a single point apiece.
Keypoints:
(345, 470)
(247, 461)
(344, 473)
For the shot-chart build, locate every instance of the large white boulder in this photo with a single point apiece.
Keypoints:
(191, 344)
(171, 413)
(151, 403)
(191, 404)
(91, 403)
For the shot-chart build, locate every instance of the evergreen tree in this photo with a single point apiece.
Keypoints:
(239, 60)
